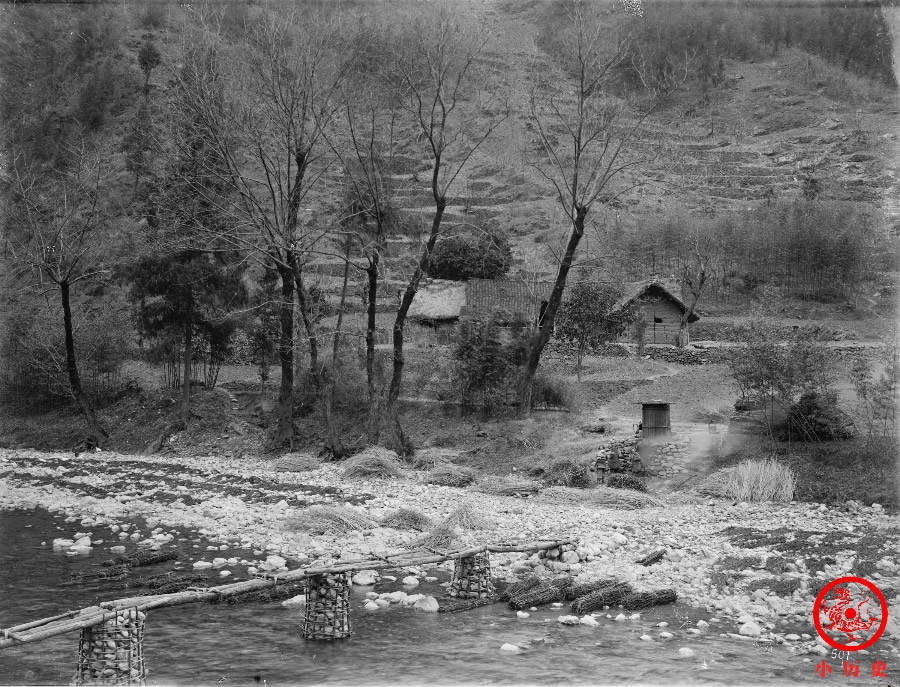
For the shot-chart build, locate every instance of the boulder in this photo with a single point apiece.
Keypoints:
(570, 557)
(274, 563)
(202, 565)
(428, 604)
(512, 648)
(569, 619)
(410, 581)
(371, 605)
(750, 629)
(365, 578)
(686, 652)
(294, 601)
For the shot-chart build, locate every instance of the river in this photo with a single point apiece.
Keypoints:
(257, 643)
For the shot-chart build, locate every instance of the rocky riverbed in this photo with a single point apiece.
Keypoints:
(750, 571)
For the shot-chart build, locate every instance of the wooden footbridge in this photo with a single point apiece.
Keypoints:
(111, 640)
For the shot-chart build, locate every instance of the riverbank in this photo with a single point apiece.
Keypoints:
(751, 570)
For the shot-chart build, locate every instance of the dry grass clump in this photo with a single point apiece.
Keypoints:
(461, 519)
(329, 520)
(568, 472)
(506, 486)
(451, 476)
(297, 462)
(406, 519)
(374, 461)
(602, 497)
(752, 480)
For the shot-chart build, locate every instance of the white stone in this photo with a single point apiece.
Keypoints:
(382, 603)
(665, 635)
(556, 605)
(750, 629)
(523, 614)
(410, 581)
(202, 565)
(295, 601)
(135, 536)
(646, 638)
(224, 573)
(662, 624)
(686, 652)
(371, 595)
(569, 619)
(620, 617)
(589, 620)
(82, 542)
(702, 624)
(512, 648)
(394, 597)
(62, 544)
(117, 549)
(219, 562)
(365, 578)
(569, 557)
(619, 538)
(371, 605)
(428, 604)
(274, 563)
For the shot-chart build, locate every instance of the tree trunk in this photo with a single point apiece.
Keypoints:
(406, 302)
(539, 340)
(186, 382)
(371, 307)
(284, 431)
(333, 443)
(95, 431)
(303, 302)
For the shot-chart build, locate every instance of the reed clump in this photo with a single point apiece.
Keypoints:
(374, 461)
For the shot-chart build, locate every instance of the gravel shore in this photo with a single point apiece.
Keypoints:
(753, 568)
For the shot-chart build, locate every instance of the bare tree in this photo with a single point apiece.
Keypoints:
(585, 138)
(694, 273)
(367, 154)
(54, 242)
(431, 71)
(263, 108)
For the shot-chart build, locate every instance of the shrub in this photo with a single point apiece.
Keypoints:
(451, 476)
(568, 473)
(406, 519)
(461, 258)
(620, 481)
(602, 497)
(752, 480)
(815, 417)
(373, 462)
(329, 520)
(552, 393)
(462, 519)
(153, 16)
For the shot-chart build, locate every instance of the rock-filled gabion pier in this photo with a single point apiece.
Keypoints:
(472, 577)
(327, 614)
(112, 652)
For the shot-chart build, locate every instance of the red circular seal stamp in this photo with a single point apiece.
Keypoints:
(852, 607)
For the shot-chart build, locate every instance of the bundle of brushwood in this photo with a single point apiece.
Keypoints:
(578, 590)
(652, 558)
(637, 600)
(457, 605)
(141, 558)
(115, 572)
(519, 588)
(544, 593)
(595, 601)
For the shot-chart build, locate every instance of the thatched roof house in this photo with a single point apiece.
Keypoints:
(438, 301)
(512, 299)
